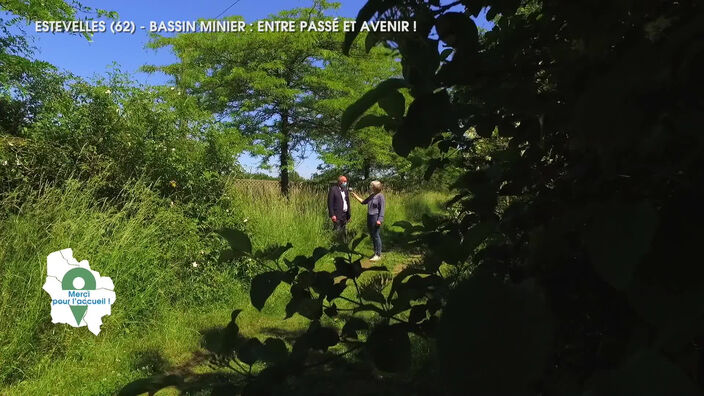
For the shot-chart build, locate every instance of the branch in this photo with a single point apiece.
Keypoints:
(359, 295)
(328, 360)
(347, 299)
(446, 7)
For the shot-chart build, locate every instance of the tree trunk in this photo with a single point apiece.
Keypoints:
(284, 153)
(367, 168)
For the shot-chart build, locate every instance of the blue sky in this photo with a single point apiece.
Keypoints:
(76, 54)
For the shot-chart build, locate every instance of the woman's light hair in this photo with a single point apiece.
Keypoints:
(376, 185)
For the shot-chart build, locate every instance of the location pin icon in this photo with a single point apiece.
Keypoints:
(79, 311)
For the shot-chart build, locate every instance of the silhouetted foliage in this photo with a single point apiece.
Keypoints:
(587, 202)
(570, 263)
(322, 295)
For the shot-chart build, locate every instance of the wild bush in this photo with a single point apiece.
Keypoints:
(116, 131)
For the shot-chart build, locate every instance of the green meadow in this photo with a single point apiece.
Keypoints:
(171, 288)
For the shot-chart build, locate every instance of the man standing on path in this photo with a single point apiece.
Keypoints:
(339, 206)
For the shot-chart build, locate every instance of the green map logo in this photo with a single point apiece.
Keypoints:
(79, 296)
(88, 279)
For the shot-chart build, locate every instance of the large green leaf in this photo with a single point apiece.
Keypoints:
(401, 276)
(618, 238)
(644, 373)
(420, 61)
(457, 30)
(418, 313)
(322, 282)
(274, 350)
(262, 287)
(370, 294)
(433, 165)
(331, 311)
(390, 348)
(307, 262)
(476, 235)
(372, 120)
(238, 240)
(352, 326)
(316, 337)
(300, 261)
(346, 268)
(394, 104)
(249, 352)
(375, 268)
(226, 256)
(403, 224)
(490, 332)
(445, 53)
(371, 97)
(369, 9)
(375, 37)
(318, 253)
(323, 338)
(305, 306)
(336, 290)
(273, 252)
(427, 116)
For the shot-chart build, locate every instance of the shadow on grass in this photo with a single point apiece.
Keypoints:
(212, 339)
(149, 360)
(392, 240)
(324, 374)
(185, 377)
(210, 383)
(285, 334)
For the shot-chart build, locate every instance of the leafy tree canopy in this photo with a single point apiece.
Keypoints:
(282, 90)
(15, 50)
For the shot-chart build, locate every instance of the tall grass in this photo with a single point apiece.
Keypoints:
(168, 283)
(302, 218)
(139, 240)
(272, 219)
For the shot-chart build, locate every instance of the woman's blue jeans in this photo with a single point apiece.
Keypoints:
(374, 233)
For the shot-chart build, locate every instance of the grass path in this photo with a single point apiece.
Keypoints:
(170, 345)
(269, 323)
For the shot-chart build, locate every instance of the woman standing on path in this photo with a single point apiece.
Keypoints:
(376, 204)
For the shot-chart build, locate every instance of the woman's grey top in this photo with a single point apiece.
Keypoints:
(376, 204)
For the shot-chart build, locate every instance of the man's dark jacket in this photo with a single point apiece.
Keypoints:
(335, 204)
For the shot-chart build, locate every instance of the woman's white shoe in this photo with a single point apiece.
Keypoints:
(375, 258)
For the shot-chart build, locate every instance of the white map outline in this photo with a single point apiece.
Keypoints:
(57, 264)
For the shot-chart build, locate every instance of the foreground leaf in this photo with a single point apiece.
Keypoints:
(645, 373)
(274, 252)
(358, 108)
(390, 348)
(370, 8)
(617, 240)
(274, 350)
(249, 351)
(422, 122)
(394, 104)
(262, 287)
(352, 326)
(490, 332)
(238, 240)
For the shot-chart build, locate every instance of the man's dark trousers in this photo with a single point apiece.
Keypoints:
(336, 208)
(340, 226)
